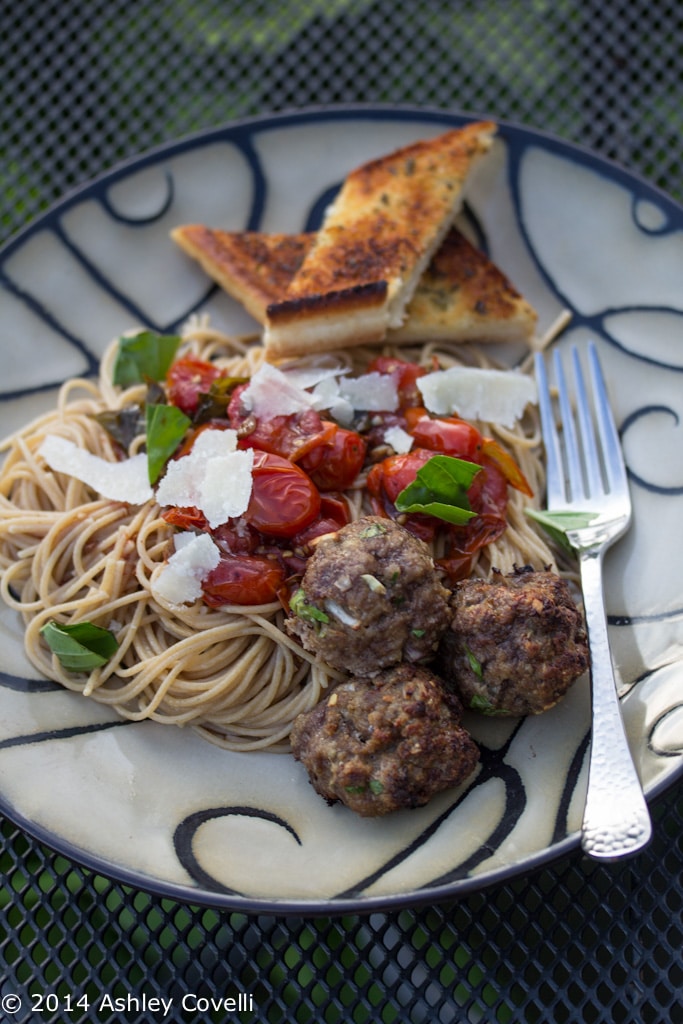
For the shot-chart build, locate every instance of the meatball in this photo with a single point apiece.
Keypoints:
(370, 598)
(384, 743)
(516, 643)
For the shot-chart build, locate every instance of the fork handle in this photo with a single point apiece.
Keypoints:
(616, 820)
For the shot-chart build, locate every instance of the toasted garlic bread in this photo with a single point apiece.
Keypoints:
(377, 238)
(256, 269)
(462, 296)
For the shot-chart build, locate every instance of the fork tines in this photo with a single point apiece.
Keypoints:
(584, 458)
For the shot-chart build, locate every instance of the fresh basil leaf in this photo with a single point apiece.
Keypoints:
(144, 356)
(440, 489)
(123, 425)
(166, 427)
(558, 523)
(214, 402)
(80, 646)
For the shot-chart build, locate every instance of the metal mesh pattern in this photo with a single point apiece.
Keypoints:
(86, 85)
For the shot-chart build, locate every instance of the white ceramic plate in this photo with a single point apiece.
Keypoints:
(165, 811)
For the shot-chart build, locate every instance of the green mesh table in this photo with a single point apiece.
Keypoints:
(85, 86)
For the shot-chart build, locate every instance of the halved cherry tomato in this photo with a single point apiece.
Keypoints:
(283, 500)
(290, 436)
(335, 464)
(187, 379)
(448, 435)
(243, 579)
(405, 375)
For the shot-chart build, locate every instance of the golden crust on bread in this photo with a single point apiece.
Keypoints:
(462, 296)
(255, 268)
(385, 224)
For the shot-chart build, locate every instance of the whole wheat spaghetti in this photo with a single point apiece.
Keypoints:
(232, 673)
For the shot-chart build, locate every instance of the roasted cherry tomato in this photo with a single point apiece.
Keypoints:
(488, 492)
(244, 579)
(466, 540)
(284, 499)
(185, 518)
(507, 465)
(334, 513)
(448, 435)
(405, 375)
(290, 436)
(187, 379)
(335, 464)
(388, 478)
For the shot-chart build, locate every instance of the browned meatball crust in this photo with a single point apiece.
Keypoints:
(370, 598)
(516, 643)
(384, 743)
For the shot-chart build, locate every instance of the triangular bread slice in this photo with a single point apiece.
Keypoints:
(377, 238)
(462, 296)
(255, 268)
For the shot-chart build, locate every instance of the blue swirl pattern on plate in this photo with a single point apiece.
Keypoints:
(162, 809)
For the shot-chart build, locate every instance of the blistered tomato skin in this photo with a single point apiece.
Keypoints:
(291, 436)
(335, 464)
(405, 374)
(245, 580)
(187, 379)
(284, 499)
(449, 436)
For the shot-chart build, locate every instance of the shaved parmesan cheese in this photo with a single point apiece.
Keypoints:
(126, 481)
(309, 376)
(496, 396)
(180, 581)
(373, 392)
(271, 392)
(214, 477)
(326, 397)
(399, 439)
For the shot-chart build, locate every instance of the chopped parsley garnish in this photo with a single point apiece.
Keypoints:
(484, 706)
(440, 489)
(305, 611)
(474, 662)
(80, 646)
(372, 530)
(144, 356)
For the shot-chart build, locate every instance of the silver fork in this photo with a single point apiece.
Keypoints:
(586, 474)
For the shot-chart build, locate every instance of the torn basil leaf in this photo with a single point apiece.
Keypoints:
(144, 356)
(166, 427)
(80, 646)
(123, 425)
(213, 403)
(558, 523)
(440, 489)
